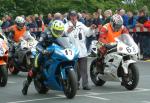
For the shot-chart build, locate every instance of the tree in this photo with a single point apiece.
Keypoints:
(28, 7)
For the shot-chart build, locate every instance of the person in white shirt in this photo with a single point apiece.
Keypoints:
(77, 32)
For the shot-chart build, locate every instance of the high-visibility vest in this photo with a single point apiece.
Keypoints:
(18, 33)
(111, 34)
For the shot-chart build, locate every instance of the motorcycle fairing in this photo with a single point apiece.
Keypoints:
(112, 63)
(55, 68)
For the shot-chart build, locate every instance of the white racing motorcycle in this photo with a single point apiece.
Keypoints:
(118, 64)
(24, 55)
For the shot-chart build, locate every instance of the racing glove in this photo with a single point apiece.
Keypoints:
(45, 52)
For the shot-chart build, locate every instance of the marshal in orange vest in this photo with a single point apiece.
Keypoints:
(18, 33)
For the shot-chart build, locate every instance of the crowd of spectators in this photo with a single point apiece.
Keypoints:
(131, 19)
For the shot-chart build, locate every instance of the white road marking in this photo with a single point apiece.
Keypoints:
(143, 89)
(145, 101)
(122, 92)
(97, 97)
(144, 76)
(85, 95)
(11, 82)
(33, 100)
(89, 94)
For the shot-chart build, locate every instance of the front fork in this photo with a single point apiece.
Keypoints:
(125, 66)
(64, 73)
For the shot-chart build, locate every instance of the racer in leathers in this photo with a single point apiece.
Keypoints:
(50, 35)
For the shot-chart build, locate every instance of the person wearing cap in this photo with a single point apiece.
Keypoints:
(77, 33)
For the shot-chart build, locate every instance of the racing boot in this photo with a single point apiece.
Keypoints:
(25, 87)
(27, 82)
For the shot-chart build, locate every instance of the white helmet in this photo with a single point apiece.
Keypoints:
(116, 22)
(20, 22)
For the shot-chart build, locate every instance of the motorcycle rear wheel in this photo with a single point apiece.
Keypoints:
(94, 73)
(4, 76)
(133, 77)
(70, 85)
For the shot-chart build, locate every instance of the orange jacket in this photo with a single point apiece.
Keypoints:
(108, 35)
(18, 33)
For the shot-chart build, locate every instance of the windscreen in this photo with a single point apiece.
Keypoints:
(64, 42)
(127, 39)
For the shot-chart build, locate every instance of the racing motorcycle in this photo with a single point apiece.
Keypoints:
(3, 61)
(118, 64)
(23, 58)
(58, 72)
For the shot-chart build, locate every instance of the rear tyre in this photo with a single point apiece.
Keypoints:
(4, 76)
(70, 85)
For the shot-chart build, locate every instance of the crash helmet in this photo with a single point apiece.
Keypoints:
(20, 22)
(57, 28)
(116, 22)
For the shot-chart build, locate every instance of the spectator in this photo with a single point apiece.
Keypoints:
(84, 13)
(81, 19)
(99, 11)
(28, 21)
(57, 16)
(132, 20)
(107, 16)
(9, 19)
(32, 25)
(88, 20)
(142, 18)
(124, 16)
(48, 19)
(65, 20)
(5, 25)
(88, 23)
(40, 26)
(144, 37)
(96, 19)
(133, 16)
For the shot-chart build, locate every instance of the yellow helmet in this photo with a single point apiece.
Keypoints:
(57, 28)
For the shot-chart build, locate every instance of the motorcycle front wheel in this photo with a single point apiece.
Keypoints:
(70, 85)
(133, 77)
(93, 74)
(3, 76)
(39, 85)
(13, 70)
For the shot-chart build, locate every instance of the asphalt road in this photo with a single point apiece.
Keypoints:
(111, 92)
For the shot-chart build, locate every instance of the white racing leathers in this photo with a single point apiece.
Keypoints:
(78, 36)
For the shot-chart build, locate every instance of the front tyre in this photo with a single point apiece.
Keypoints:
(93, 73)
(13, 70)
(70, 85)
(39, 85)
(133, 77)
(3, 76)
